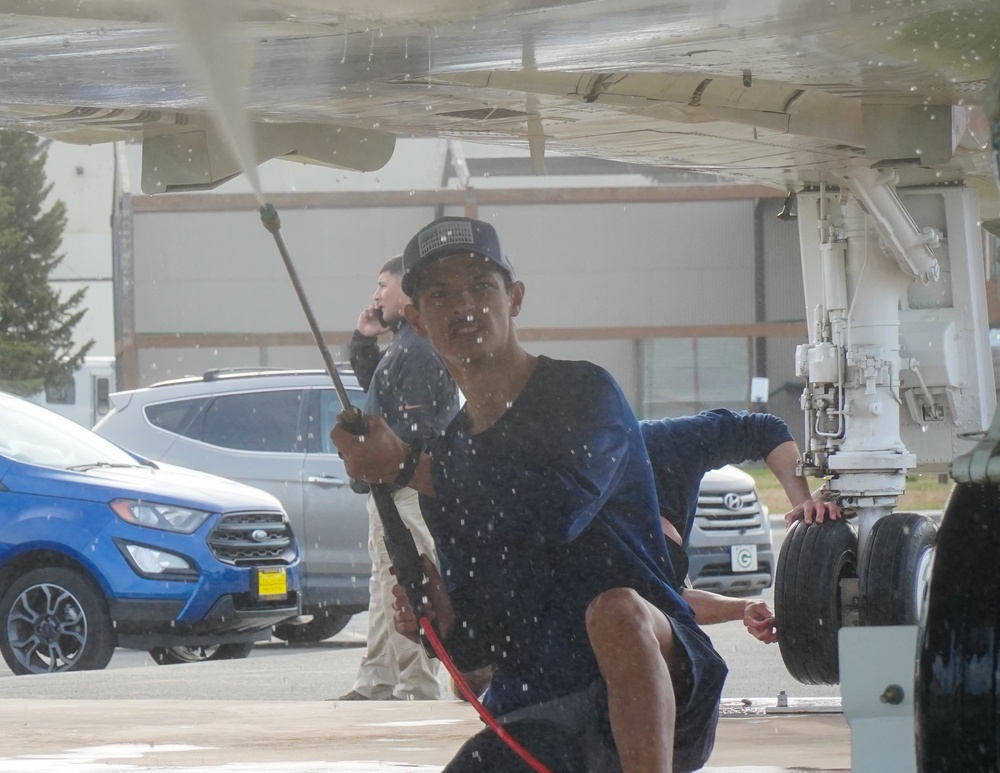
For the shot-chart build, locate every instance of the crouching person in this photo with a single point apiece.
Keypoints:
(541, 501)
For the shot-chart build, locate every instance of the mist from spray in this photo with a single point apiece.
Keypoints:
(210, 48)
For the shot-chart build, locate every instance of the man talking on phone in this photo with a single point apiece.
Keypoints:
(410, 388)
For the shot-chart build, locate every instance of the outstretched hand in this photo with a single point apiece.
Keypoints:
(759, 620)
(812, 511)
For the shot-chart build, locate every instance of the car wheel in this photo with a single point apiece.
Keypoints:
(168, 656)
(55, 619)
(808, 593)
(958, 661)
(317, 629)
(895, 567)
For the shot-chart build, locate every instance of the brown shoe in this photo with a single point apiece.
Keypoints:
(353, 695)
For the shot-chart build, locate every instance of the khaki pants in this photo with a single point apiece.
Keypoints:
(394, 666)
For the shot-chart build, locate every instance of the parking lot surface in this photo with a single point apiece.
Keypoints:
(226, 736)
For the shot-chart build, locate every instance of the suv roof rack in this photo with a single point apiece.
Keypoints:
(214, 374)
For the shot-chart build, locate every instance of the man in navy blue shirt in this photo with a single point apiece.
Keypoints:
(542, 504)
(683, 449)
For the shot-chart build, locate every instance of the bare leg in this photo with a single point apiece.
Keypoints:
(634, 643)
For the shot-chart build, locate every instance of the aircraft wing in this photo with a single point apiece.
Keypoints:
(782, 92)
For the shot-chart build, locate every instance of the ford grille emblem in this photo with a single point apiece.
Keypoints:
(733, 501)
(259, 535)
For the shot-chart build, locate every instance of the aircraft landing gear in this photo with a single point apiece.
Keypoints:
(895, 568)
(958, 671)
(815, 591)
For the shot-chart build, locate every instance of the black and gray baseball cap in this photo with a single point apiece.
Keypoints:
(446, 237)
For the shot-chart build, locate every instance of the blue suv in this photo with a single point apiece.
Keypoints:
(101, 548)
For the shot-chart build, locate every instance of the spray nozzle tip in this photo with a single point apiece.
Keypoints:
(269, 217)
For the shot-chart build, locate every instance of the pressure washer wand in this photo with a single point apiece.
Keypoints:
(269, 217)
(398, 540)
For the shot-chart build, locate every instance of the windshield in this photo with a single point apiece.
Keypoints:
(36, 435)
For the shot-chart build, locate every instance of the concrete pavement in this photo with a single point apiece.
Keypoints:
(271, 713)
(229, 736)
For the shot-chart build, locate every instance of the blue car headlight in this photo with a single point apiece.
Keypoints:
(184, 520)
(150, 561)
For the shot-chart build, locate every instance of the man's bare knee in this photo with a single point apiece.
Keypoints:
(616, 616)
(620, 618)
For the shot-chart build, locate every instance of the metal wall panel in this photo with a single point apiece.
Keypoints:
(619, 265)
(783, 296)
(585, 265)
(221, 271)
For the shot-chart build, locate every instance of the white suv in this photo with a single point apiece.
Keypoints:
(730, 545)
(271, 430)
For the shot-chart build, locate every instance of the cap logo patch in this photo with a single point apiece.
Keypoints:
(445, 233)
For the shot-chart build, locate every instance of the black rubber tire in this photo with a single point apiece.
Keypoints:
(321, 627)
(169, 656)
(958, 664)
(813, 561)
(55, 619)
(898, 548)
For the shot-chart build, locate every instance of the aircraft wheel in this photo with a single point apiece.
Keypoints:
(958, 665)
(814, 561)
(895, 567)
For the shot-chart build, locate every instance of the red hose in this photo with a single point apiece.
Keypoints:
(471, 697)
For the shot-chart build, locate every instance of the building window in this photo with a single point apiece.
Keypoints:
(683, 376)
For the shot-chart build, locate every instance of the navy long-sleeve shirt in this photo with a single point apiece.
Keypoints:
(682, 450)
(536, 516)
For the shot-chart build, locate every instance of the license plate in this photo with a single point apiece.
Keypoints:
(743, 558)
(272, 583)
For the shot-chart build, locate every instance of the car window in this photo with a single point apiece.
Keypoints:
(178, 416)
(248, 421)
(30, 433)
(255, 421)
(323, 410)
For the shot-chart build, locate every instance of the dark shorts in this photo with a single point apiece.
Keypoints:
(572, 734)
(567, 735)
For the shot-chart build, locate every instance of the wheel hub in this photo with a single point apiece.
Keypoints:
(48, 629)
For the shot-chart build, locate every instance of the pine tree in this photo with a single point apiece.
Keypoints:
(36, 325)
